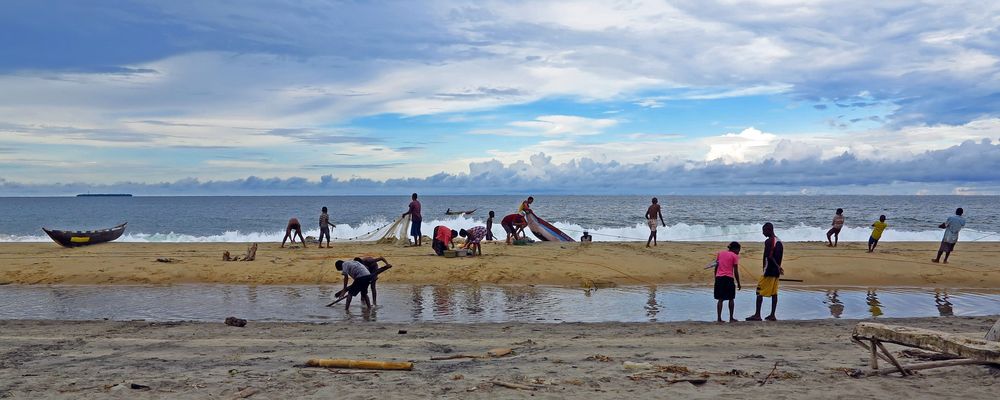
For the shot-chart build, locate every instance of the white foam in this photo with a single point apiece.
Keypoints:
(638, 232)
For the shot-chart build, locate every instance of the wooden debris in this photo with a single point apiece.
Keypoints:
(493, 353)
(242, 394)
(250, 255)
(994, 334)
(513, 385)
(166, 260)
(926, 355)
(599, 357)
(968, 350)
(360, 364)
(769, 374)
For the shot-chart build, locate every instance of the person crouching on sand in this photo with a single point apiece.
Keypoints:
(473, 239)
(768, 284)
(877, 228)
(362, 279)
(443, 238)
(727, 279)
(514, 225)
(293, 228)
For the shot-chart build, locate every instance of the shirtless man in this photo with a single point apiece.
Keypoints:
(296, 227)
(651, 214)
(525, 207)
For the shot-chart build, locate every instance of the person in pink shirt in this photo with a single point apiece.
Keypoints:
(727, 279)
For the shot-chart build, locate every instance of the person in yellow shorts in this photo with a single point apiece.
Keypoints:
(877, 228)
(768, 284)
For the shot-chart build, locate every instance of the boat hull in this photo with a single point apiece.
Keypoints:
(85, 238)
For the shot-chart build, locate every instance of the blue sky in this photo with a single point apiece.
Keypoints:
(285, 97)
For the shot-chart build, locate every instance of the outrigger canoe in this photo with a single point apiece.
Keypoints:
(544, 230)
(84, 238)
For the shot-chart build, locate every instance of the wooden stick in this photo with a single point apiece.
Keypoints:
(360, 364)
(874, 360)
(454, 356)
(892, 359)
(764, 382)
(929, 365)
(513, 385)
(865, 346)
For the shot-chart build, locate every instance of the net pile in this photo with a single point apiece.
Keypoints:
(396, 233)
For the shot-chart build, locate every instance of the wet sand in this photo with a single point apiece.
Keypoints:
(201, 360)
(907, 264)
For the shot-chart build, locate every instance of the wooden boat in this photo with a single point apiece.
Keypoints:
(84, 238)
(546, 231)
(450, 212)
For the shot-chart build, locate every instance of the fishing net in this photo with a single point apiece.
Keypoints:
(396, 232)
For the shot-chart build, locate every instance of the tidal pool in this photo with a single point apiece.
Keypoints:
(472, 303)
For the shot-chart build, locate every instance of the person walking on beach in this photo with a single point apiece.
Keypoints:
(362, 279)
(951, 227)
(291, 230)
(768, 284)
(727, 279)
(443, 238)
(473, 239)
(415, 220)
(489, 227)
(514, 225)
(838, 224)
(525, 207)
(372, 264)
(651, 213)
(877, 228)
(324, 228)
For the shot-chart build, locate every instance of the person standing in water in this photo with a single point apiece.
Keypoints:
(877, 228)
(324, 228)
(768, 284)
(415, 220)
(951, 227)
(838, 224)
(651, 214)
(727, 279)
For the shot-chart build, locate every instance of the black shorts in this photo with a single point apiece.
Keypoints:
(295, 227)
(324, 231)
(725, 288)
(360, 285)
(439, 247)
(872, 240)
(947, 247)
(415, 228)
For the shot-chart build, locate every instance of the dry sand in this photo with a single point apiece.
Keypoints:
(572, 264)
(81, 360)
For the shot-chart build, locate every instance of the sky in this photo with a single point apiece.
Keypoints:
(256, 97)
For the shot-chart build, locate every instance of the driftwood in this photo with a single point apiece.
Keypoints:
(967, 350)
(994, 334)
(251, 255)
(494, 353)
(513, 385)
(360, 364)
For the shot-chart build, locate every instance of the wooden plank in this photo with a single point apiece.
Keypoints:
(928, 365)
(926, 339)
(360, 364)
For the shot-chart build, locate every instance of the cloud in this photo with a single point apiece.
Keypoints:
(965, 169)
(553, 125)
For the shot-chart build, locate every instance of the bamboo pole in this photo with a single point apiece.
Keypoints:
(892, 359)
(360, 364)
(929, 365)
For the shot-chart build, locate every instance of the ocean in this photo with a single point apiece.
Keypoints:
(607, 218)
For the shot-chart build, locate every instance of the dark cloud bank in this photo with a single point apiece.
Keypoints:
(971, 164)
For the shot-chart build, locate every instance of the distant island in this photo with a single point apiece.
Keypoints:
(104, 195)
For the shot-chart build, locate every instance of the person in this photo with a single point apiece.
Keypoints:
(362, 279)
(586, 238)
(951, 227)
(514, 225)
(727, 279)
(443, 237)
(489, 227)
(415, 220)
(372, 264)
(525, 207)
(838, 224)
(877, 228)
(651, 213)
(324, 228)
(768, 284)
(474, 237)
(293, 228)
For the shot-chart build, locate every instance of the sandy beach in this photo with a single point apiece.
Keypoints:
(201, 360)
(973, 264)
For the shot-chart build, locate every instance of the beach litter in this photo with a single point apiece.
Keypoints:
(360, 364)
(237, 322)
(242, 394)
(250, 255)
(167, 260)
(493, 353)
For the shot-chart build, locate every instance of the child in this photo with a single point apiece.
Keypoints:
(726, 272)
(489, 227)
(474, 238)
(877, 228)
